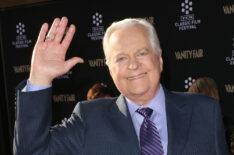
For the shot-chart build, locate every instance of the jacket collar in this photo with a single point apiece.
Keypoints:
(121, 119)
(178, 122)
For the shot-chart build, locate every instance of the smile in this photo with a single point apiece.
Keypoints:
(137, 76)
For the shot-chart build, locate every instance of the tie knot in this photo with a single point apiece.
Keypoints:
(146, 112)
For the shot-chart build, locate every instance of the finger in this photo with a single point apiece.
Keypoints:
(61, 29)
(53, 28)
(42, 34)
(72, 62)
(68, 37)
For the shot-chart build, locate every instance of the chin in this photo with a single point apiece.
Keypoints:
(138, 93)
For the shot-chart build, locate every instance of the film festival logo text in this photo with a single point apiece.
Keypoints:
(188, 82)
(231, 58)
(97, 28)
(21, 39)
(189, 54)
(187, 20)
(228, 9)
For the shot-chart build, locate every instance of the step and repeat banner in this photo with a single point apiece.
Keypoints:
(197, 39)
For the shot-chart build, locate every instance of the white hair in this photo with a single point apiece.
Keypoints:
(152, 34)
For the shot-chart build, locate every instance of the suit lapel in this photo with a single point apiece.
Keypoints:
(178, 122)
(121, 120)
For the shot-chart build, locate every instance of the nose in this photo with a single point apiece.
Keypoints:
(133, 64)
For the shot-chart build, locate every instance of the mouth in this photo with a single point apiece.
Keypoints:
(138, 76)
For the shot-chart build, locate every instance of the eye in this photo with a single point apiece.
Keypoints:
(121, 59)
(143, 53)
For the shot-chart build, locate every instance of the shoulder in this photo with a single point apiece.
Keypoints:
(185, 99)
(99, 105)
(191, 97)
(201, 108)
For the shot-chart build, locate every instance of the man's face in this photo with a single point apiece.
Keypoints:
(134, 66)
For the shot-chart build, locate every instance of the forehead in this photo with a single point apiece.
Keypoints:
(130, 38)
(130, 32)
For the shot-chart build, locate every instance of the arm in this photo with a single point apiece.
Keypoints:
(32, 133)
(33, 118)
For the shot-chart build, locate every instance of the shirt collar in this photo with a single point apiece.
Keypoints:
(156, 104)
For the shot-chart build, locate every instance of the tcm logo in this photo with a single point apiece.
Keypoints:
(187, 19)
(230, 59)
(97, 19)
(188, 82)
(21, 40)
(97, 30)
(20, 28)
(186, 7)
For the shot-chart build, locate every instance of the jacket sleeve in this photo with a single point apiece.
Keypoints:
(33, 134)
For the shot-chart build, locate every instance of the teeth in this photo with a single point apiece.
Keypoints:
(137, 76)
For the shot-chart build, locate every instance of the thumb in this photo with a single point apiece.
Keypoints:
(72, 62)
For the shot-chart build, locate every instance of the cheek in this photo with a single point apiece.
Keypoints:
(156, 69)
(114, 72)
(118, 75)
(157, 64)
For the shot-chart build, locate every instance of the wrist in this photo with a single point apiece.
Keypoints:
(42, 81)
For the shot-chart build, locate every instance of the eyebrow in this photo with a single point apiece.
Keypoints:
(144, 48)
(124, 53)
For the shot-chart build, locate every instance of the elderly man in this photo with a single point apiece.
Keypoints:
(145, 119)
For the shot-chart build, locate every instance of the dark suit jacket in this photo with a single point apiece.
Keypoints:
(104, 126)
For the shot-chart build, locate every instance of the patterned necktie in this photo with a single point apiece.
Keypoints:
(149, 137)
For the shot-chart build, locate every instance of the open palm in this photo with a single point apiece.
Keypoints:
(48, 60)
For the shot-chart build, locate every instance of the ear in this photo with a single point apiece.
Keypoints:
(161, 61)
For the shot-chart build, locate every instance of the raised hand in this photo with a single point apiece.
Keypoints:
(48, 59)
